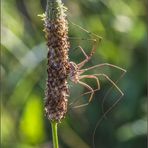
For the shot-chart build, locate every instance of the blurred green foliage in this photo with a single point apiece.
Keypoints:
(122, 24)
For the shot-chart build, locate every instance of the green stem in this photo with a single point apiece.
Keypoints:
(54, 134)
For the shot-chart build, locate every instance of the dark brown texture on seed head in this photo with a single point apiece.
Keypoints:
(56, 33)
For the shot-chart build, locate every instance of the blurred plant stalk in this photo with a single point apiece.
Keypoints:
(56, 93)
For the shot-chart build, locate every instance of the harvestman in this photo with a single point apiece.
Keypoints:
(76, 72)
(76, 75)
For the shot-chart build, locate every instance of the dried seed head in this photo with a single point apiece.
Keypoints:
(56, 33)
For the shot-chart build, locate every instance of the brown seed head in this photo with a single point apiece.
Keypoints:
(56, 33)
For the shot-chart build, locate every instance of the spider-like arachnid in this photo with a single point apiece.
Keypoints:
(77, 72)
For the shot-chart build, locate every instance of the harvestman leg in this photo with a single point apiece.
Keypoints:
(87, 57)
(99, 37)
(92, 90)
(112, 106)
(88, 87)
(112, 82)
(104, 98)
(104, 64)
(81, 50)
(111, 65)
(80, 65)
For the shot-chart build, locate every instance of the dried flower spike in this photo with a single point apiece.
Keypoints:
(56, 33)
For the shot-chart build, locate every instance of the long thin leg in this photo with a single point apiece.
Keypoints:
(112, 82)
(104, 64)
(92, 77)
(86, 93)
(101, 65)
(98, 87)
(103, 116)
(109, 79)
(84, 53)
(98, 38)
(90, 33)
(91, 95)
(108, 92)
(113, 105)
(80, 65)
(88, 57)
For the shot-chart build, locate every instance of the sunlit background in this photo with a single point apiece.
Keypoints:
(122, 24)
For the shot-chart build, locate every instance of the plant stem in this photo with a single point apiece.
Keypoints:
(54, 134)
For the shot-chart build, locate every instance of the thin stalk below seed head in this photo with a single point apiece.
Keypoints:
(54, 134)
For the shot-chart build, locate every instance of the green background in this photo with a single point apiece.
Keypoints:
(122, 24)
